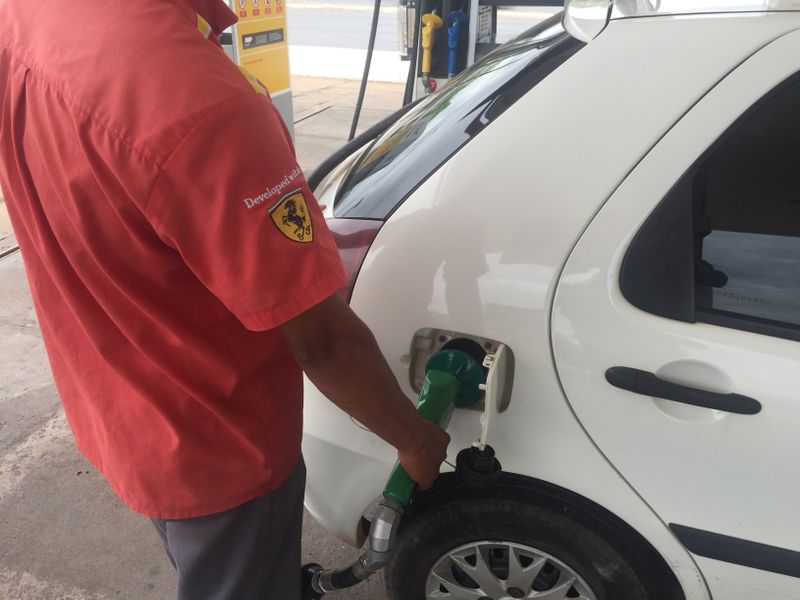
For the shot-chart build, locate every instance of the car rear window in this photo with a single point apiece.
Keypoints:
(420, 142)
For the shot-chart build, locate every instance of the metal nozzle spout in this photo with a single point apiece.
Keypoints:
(377, 554)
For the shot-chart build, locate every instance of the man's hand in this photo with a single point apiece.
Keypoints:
(424, 457)
(340, 355)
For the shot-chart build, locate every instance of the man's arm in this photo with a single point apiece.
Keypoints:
(339, 354)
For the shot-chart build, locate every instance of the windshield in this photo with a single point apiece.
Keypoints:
(420, 142)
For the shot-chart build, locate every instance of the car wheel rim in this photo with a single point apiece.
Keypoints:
(503, 571)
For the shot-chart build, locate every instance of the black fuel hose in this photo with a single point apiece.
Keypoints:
(376, 13)
(408, 93)
(316, 581)
(345, 578)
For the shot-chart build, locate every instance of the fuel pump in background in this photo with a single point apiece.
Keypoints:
(440, 55)
(468, 33)
(456, 21)
(431, 23)
(259, 45)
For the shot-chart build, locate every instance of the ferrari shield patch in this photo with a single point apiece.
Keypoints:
(291, 217)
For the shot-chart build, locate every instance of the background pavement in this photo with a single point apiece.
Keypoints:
(323, 113)
(65, 536)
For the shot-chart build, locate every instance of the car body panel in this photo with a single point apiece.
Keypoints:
(480, 245)
(726, 582)
(730, 474)
(653, 8)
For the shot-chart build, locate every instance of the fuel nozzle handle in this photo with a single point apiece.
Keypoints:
(431, 22)
(436, 403)
(455, 23)
(452, 378)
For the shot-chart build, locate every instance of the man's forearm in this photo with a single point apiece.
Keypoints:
(340, 355)
(354, 375)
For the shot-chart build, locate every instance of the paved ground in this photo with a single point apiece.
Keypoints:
(64, 535)
(323, 113)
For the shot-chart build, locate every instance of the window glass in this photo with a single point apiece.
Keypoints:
(751, 274)
(747, 218)
(723, 247)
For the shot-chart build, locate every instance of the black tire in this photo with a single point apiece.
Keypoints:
(610, 565)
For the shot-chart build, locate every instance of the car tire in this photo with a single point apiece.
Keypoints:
(489, 521)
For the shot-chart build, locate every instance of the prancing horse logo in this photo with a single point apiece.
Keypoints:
(291, 217)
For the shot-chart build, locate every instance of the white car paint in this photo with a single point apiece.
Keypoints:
(480, 247)
(675, 444)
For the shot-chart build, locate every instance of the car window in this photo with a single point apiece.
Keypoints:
(750, 275)
(421, 141)
(725, 242)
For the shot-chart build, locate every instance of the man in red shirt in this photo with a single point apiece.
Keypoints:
(184, 278)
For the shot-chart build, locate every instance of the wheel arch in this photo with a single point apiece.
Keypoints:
(627, 540)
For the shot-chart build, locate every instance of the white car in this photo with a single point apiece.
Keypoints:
(622, 213)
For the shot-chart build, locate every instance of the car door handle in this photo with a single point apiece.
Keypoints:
(649, 384)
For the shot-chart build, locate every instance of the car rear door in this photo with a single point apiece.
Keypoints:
(676, 328)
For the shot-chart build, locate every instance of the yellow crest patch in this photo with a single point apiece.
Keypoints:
(291, 217)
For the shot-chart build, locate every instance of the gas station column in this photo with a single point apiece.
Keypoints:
(260, 45)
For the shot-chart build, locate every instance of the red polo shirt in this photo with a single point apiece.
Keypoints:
(166, 231)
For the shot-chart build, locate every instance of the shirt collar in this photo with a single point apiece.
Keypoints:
(216, 12)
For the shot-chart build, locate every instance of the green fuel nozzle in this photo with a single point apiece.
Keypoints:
(453, 378)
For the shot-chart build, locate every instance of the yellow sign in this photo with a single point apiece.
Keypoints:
(291, 217)
(261, 43)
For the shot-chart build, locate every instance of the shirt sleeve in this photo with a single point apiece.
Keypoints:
(233, 202)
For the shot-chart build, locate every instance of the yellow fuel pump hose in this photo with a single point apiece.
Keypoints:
(430, 23)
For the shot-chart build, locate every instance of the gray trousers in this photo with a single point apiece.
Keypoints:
(251, 552)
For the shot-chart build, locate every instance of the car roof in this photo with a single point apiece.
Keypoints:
(586, 19)
(653, 8)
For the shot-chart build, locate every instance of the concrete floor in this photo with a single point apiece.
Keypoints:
(65, 536)
(323, 112)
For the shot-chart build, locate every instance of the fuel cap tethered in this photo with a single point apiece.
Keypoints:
(478, 466)
(453, 378)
